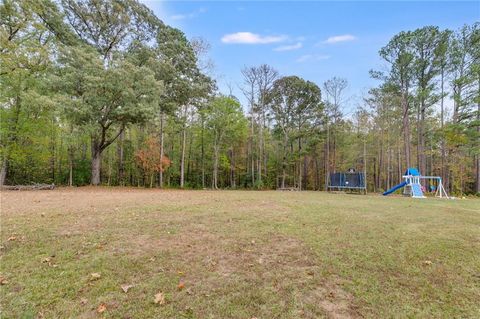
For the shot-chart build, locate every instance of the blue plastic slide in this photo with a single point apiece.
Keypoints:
(394, 188)
(417, 191)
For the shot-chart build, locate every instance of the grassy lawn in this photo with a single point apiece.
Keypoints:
(237, 254)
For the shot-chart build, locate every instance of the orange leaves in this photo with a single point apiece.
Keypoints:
(148, 158)
(101, 308)
(181, 285)
(3, 281)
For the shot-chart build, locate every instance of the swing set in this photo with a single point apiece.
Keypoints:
(412, 187)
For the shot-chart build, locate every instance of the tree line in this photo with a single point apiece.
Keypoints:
(103, 92)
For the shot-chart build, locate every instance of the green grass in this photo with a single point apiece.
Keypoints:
(241, 254)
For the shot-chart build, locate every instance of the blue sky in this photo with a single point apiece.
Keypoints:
(312, 39)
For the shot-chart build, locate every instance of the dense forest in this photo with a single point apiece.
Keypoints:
(103, 92)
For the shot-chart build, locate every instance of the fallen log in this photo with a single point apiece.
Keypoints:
(290, 189)
(28, 187)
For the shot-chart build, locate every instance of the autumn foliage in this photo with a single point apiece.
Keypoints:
(149, 160)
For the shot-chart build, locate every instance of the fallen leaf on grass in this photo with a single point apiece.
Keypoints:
(181, 285)
(101, 308)
(427, 262)
(126, 287)
(159, 299)
(46, 260)
(12, 238)
(95, 276)
(3, 281)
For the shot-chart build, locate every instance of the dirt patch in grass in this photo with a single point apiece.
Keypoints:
(334, 301)
(211, 262)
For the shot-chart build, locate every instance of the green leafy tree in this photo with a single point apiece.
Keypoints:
(26, 46)
(398, 53)
(426, 43)
(226, 124)
(475, 71)
(105, 100)
(186, 86)
(107, 91)
(295, 105)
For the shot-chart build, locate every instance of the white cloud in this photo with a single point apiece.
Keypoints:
(340, 38)
(179, 17)
(292, 47)
(188, 15)
(312, 57)
(251, 38)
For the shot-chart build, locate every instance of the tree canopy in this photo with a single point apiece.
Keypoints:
(104, 92)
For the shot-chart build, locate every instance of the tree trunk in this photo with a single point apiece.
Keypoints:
(327, 158)
(182, 157)
(317, 173)
(109, 168)
(203, 153)
(260, 152)
(121, 165)
(172, 149)
(418, 135)
(96, 164)
(251, 148)
(60, 157)
(3, 171)
(70, 165)
(477, 159)
(215, 167)
(189, 156)
(53, 152)
(380, 164)
(284, 161)
(365, 165)
(299, 164)
(406, 129)
(388, 185)
(162, 119)
(305, 171)
(421, 135)
(232, 168)
(334, 153)
(442, 124)
(399, 163)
